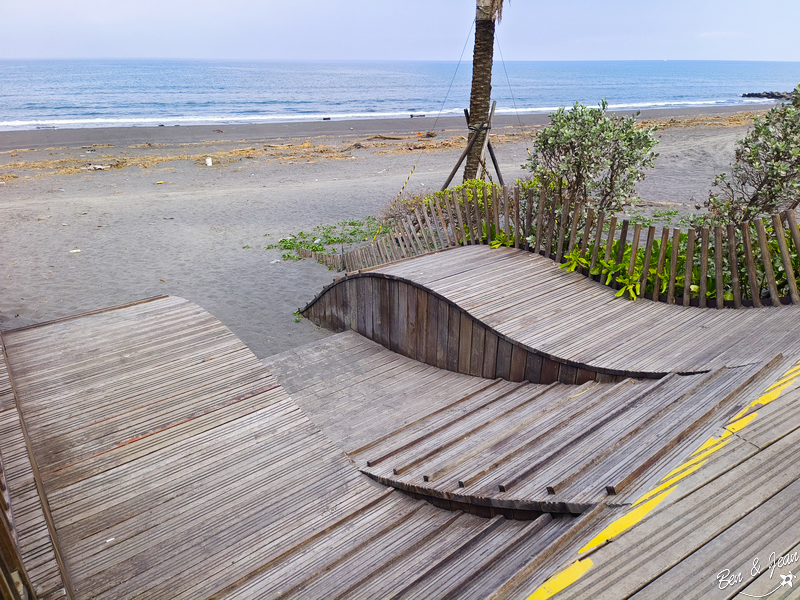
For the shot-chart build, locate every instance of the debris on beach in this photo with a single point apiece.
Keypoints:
(75, 251)
(737, 119)
(208, 161)
(97, 167)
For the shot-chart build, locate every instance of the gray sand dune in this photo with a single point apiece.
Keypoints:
(185, 237)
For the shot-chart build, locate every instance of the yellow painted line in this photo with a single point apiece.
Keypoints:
(668, 484)
(626, 522)
(708, 444)
(765, 399)
(694, 458)
(790, 374)
(562, 580)
(649, 501)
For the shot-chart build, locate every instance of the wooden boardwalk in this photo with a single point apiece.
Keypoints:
(33, 537)
(496, 447)
(174, 465)
(514, 314)
(732, 502)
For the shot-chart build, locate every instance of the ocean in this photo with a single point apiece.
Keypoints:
(110, 93)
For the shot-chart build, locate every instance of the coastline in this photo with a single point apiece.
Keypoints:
(256, 132)
(159, 221)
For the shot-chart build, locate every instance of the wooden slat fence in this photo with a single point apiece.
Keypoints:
(754, 264)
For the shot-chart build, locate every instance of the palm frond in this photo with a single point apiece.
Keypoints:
(490, 9)
(496, 8)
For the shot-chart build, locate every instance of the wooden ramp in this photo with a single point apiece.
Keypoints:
(725, 493)
(725, 515)
(497, 447)
(174, 465)
(515, 315)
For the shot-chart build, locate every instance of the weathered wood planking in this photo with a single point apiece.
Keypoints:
(504, 445)
(732, 501)
(445, 324)
(212, 482)
(566, 319)
(32, 546)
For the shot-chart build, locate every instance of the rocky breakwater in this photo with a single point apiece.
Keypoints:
(770, 95)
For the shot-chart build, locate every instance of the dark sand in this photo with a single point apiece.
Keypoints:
(139, 238)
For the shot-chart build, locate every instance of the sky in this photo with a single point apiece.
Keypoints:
(399, 30)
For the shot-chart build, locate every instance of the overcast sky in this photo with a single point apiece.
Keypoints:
(399, 30)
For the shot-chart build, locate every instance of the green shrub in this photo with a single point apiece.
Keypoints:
(586, 155)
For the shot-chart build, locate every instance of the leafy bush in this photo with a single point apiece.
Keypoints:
(588, 156)
(765, 175)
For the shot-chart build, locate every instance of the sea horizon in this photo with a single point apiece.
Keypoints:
(88, 93)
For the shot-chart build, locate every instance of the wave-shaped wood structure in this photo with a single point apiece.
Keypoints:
(495, 447)
(489, 443)
(170, 463)
(695, 515)
(513, 314)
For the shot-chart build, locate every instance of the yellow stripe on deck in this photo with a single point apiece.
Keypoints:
(626, 522)
(649, 501)
(563, 580)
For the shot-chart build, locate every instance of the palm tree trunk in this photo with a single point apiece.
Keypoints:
(480, 97)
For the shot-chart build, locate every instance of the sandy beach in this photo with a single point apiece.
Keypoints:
(149, 217)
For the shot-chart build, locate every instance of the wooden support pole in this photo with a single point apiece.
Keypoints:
(506, 214)
(539, 221)
(551, 224)
(598, 237)
(662, 258)
(528, 219)
(496, 211)
(718, 267)
(637, 232)
(587, 231)
(516, 217)
(766, 259)
(734, 264)
(786, 258)
(750, 265)
(573, 232)
(648, 253)
(688, 268)
(673, 267)
(703, 267)
(562, 228)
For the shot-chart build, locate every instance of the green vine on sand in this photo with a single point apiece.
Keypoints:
(327, 239)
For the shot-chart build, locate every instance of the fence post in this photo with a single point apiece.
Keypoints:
(777, 225)
(687, 276)
(766, 259)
